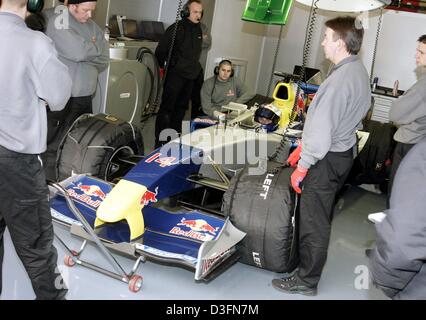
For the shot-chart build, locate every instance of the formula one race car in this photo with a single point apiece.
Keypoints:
(169, 206)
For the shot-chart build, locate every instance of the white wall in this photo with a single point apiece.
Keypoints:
(235, 38)
(396, 47)
(291, 48)
(256, 43)
(395, 53)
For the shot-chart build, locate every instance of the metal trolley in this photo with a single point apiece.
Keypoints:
(73, 257)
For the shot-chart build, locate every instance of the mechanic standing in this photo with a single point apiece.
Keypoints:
(409, 113)
(327, 149)
(183, 69)
(31, 78)
(82, 47)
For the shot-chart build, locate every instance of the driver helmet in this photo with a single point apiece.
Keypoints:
(268, 116)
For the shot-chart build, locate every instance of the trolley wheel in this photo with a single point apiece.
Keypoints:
(69, 262)
(135, 283)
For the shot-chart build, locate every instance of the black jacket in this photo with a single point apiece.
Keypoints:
(187, 49)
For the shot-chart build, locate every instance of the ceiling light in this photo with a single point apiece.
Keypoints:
(347, 5)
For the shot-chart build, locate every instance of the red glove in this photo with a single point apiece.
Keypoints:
(297, 177)
(162, 71)
(294, 157)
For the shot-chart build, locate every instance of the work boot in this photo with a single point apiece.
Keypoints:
(292, 285)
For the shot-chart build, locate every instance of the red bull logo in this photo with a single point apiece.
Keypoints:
(199, 229)
(91, 190)
(88, 192)
(149, 196)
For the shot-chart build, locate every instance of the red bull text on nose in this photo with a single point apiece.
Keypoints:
(199, 229)
(91, 195)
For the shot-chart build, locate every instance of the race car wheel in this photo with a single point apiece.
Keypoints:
(135, 283)
(115, 166)
(263, 207)
(95, 145)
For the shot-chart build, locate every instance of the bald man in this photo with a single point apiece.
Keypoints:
(83, 49)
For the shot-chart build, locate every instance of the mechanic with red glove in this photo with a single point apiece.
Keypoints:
(326, 151)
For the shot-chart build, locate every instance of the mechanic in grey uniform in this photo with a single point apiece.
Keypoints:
(223, 88)
(83, 49)
(398, 262)
(327, 149)
(32, 77)
(408, 112)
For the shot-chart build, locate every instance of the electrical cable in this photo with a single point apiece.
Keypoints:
(275, 60)
(375, 45)
(170, 53)
(306, 51)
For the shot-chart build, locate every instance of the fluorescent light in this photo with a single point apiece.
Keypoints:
(347, 5)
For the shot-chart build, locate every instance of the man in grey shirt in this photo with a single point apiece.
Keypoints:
(409, 113)
(398, 262)
(82, 47)
(326, 155)
(32, 77)
(223, 88)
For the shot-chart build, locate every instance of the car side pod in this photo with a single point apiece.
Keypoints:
(123, 202)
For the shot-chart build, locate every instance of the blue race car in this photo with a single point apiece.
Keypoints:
(168, 206)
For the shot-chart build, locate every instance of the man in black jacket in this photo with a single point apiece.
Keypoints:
(183, 69)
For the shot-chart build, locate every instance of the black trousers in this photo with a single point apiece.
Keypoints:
(58, 124)
(196, 109)
(25, 211)
(320, 187)
(400, 151)
(175, 99)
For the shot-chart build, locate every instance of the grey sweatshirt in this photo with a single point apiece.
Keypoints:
(336, 111)
(398, 263)
(31, 76)
(216, 93)
(409, 113)
(84, 58)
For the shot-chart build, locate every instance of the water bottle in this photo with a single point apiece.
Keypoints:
(222, 119)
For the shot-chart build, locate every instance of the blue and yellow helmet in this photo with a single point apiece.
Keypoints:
(268, 116)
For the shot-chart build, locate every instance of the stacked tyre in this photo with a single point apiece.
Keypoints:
(92, 144)
(263, 206)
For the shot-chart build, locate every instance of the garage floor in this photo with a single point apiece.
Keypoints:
(343, 276)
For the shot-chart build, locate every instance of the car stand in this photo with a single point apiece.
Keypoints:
(133, 280)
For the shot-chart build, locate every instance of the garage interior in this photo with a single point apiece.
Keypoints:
(261, 53)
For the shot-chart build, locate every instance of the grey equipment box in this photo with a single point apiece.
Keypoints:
(123, 90)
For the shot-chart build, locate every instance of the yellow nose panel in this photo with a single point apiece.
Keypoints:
(123, 202)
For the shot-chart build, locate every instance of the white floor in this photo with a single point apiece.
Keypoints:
(344, 275)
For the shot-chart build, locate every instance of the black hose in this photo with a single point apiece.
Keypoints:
(154, 77)
(151, 111)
